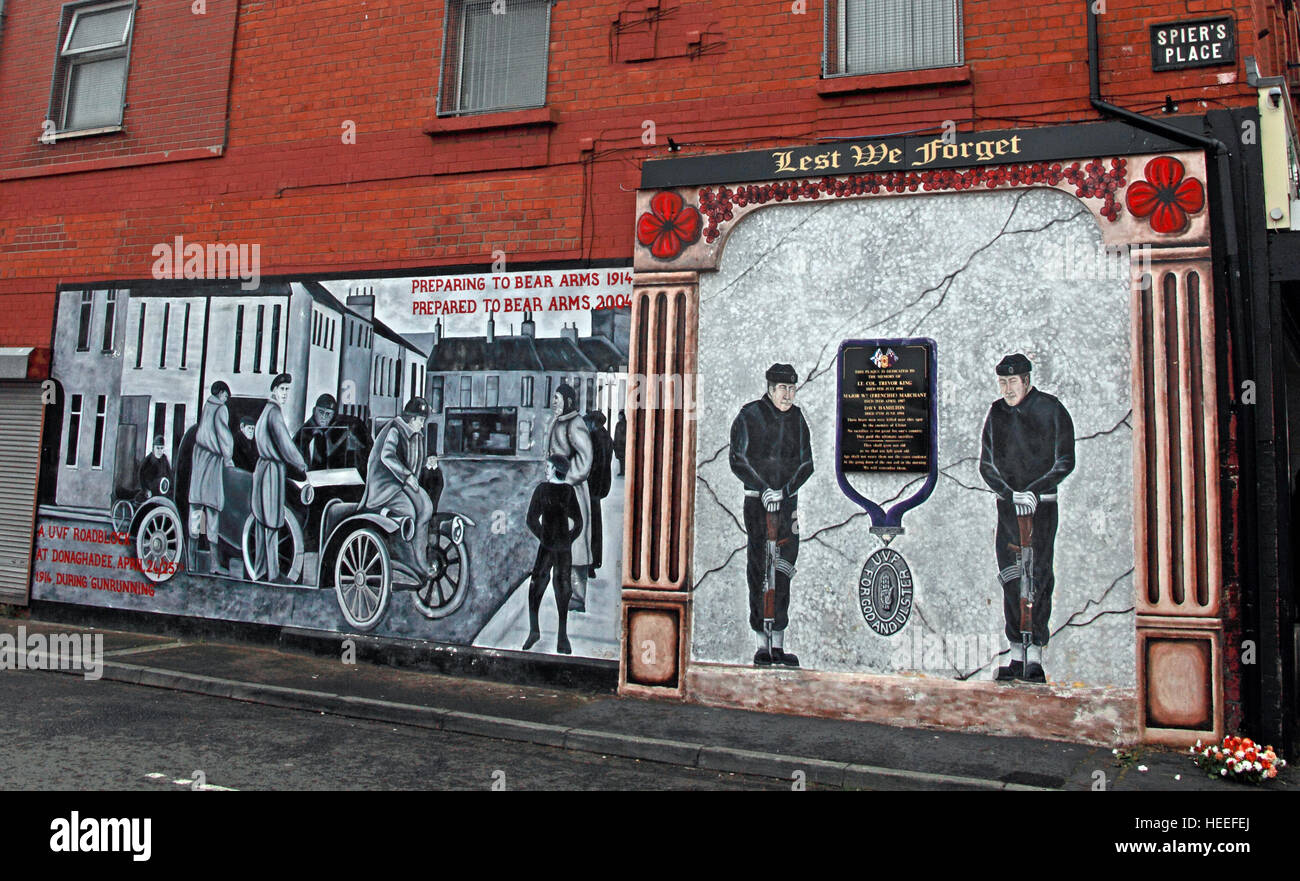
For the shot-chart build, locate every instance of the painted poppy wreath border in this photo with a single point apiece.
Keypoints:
(1167, 198)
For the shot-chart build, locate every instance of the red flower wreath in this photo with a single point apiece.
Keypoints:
(1166, 196)
(669, 226)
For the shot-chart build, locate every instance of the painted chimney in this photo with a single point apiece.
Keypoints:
(570, 333)
(437, 331)
(363, 303)
(527, 328)
(491, 328)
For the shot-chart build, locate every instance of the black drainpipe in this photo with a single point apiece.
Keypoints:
(1173, 132)
(1243, 339)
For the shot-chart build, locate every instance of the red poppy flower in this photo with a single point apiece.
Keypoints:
(669, 226)
(1165, 195)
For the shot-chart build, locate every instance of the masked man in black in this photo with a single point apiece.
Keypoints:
(1026, 451)
(771, 453)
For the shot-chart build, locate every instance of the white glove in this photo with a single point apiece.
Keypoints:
(1026, 503)
(772, 499)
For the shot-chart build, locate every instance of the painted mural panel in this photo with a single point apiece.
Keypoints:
(808, 551)
(428, 458)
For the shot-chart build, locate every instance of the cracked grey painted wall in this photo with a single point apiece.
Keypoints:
(983, 274)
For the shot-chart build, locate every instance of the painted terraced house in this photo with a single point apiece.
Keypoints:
(1021, 266)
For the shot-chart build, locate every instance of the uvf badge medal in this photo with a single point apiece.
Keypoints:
(885, 592)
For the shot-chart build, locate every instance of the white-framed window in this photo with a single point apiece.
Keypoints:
(239, 337)
(185, 338)
(257, 344)
(101, 415)
(494, 55)
(74, 431)
(83, 321)
(166, 327)
(110, 321)
(881, 36)
(89, 87)
(139, 339)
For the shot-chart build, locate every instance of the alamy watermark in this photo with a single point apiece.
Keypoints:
(661, 391)
(1079, 262)
(53, 651)
(945, 652)
(178, 260)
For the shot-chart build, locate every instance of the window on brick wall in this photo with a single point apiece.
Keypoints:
(89, 85)
(74, 431)
(494, 56)
(880, 36)
(83, 322)
(110, 320)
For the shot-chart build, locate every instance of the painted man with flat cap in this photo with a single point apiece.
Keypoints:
(395, 471)
(1027, 449)
(771, 453)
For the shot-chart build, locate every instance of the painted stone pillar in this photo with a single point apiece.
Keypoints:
(659, 484)
(1177, 504)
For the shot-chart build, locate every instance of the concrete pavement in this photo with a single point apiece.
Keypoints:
(828, 752)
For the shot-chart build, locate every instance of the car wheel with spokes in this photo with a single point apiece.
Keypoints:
(363, 578)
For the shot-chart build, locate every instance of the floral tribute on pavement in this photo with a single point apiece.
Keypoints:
(1238, 758)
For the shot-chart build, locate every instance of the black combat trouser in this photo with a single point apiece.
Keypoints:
(787, 537)
(1044, 538)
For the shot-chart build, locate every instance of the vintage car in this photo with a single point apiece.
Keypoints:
(155, 526)
(363, 555)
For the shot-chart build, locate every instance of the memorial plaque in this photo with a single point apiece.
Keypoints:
(885, 413)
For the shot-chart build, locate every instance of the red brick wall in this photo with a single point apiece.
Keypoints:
(724, 77)
(176, 87)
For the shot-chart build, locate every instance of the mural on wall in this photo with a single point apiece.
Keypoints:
(343, 455)
(1026, 450)
(798, 282)
(771, 454)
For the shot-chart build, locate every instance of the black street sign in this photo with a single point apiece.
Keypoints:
(1205, 42)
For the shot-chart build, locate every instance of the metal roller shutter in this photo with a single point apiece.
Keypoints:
(21, 415)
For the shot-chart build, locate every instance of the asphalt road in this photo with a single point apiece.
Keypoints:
(62, 732)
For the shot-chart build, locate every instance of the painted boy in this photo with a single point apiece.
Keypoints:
(556, 519)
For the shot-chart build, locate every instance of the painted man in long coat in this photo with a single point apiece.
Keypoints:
(598, 484)
(214, 448)
(570, 438)
(393, 474)
(275, 452)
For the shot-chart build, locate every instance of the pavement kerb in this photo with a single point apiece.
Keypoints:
(694, 755)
